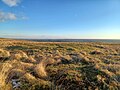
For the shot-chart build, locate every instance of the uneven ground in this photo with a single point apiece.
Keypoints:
(27, 65)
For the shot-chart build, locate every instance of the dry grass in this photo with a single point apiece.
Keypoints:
(59, 66)
(4, 54)
(40, 70)
(20, 74)
(4, 72)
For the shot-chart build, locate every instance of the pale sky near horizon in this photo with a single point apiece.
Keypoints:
(59, 19)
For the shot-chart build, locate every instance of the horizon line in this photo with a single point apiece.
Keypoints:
(62, 38)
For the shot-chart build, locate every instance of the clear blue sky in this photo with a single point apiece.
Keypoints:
(88, 19)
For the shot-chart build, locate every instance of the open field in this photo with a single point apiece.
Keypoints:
(27, 65)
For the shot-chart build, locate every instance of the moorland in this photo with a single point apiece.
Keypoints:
(28, 65)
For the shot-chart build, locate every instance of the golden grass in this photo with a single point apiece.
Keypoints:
(4, 54)
(4, 72)
(20, 74)
(40, 70)
(59, 65)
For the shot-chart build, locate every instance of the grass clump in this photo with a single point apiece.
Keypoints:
(4, 55)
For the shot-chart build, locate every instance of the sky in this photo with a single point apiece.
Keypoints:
(60, 19)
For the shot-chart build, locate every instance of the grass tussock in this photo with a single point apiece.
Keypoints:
(40, 70)
(4, 69)
(4, 54)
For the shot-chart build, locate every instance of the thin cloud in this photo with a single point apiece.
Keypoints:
(22, 36)
(11, 3)
(7, 16)
(24, 18)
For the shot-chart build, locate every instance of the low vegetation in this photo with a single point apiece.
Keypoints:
(28, 65)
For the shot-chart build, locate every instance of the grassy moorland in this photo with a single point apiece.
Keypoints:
(27, 65)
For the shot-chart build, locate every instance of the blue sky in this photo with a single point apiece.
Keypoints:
(49, 19)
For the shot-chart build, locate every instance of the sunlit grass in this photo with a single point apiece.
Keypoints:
(59, 65)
